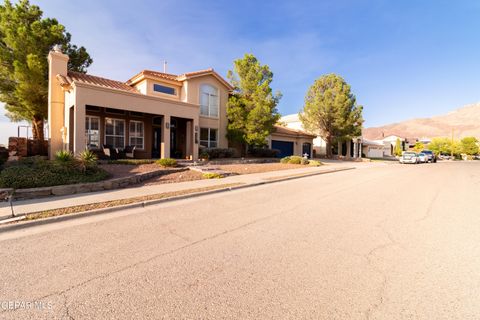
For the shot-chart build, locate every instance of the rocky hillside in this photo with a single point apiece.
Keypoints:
(464, 121)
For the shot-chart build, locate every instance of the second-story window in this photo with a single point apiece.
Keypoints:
(208, 101)
(163, 89)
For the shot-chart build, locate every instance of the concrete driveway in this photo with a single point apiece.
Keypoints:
(390, 242)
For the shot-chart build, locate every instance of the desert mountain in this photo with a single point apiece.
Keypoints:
(464, 122)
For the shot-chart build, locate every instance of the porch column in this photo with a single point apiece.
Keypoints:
(189, 140)
(349, 149)
(340, 149)
(78, 130)
(355, 149)
(165, 149)
(360, 150)
(196, 138)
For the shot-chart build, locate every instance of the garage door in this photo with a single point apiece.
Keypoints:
(285, 147)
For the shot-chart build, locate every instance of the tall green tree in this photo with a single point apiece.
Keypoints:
(25, 40)
(331, 111)
(252, 108)
(441, 145)
(469, 145)
(398, 148)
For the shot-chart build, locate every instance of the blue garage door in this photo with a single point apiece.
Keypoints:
(285, 147)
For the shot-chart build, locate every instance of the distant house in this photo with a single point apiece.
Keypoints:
(293, 121)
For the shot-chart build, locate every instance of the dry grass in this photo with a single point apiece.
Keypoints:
(257, 167)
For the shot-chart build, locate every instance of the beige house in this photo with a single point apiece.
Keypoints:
(162, 115)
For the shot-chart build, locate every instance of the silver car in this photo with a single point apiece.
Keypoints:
(409, 157)
(422, 157)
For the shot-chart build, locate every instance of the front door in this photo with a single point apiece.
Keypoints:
(156, 142)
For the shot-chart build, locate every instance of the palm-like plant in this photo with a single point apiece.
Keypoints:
(86, 160)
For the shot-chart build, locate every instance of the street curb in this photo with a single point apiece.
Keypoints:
(143, 204)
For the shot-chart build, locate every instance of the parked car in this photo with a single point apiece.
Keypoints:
(409, 157)
(431, 156)
(422, 157)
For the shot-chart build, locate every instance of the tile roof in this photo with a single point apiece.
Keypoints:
(179, 78)
(289, 131)
(94, 80)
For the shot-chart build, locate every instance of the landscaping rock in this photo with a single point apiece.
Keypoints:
(64, 190)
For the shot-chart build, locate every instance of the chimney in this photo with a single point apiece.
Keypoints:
(164, 66)
(57, 65)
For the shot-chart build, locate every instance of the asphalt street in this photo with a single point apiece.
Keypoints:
(386, 242)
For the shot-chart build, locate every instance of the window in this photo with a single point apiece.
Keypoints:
(92, 132)
(163, 89)
(208, 137)
(208, 101)
(136, 134)
(115, 133)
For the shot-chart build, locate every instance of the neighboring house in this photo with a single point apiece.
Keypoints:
(162, 115)
(293, 121)
(390, 142)
(291, 141)
(376, 148)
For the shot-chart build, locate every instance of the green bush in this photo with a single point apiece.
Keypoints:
(263, 152)
(167, 162)
(285, 160)
(315, 163)
(212, 175)
(214, 153)
(295, 160)
(36, 172)
(131, 161)
(64, 157)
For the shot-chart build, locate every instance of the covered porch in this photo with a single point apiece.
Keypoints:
(138, 134)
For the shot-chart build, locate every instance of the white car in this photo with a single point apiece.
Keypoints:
(409, 157)
(422, 157)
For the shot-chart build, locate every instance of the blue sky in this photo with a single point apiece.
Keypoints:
(403, 59)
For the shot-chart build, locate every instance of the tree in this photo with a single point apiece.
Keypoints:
(419, 146)
(469, 145)
(441, 146)
(25, 40)
(331, 111)
(251, 109)
(398, 148)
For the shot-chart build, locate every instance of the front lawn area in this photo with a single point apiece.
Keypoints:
(36, 172)
(257, 167)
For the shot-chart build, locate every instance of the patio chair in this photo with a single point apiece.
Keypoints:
(130, 152)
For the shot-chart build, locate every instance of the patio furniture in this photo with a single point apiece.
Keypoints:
(130, 152)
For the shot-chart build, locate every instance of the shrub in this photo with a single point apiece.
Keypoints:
(131, 161)
(36, 172)
(214, 153)
(264, 152)
(295, 160)
(212, 175)
(285, 160)
(315, 163)
(64, 157)
(86, 160)
(167, 162)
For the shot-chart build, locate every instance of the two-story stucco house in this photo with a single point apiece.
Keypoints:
(162, 115)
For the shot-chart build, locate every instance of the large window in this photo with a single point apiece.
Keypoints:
(92, 132)
(208, 101)
(163, 89)
(136, 134)
(115, 133)
(208, 137)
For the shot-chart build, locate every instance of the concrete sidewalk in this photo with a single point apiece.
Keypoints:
(35, 205)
